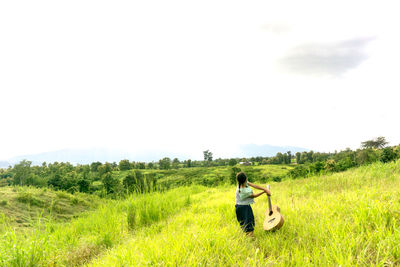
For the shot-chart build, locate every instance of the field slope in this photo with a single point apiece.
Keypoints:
(21, 207)
(350, 218)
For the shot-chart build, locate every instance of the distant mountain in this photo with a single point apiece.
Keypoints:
(252, 150)
(4, 164)
(86, 156)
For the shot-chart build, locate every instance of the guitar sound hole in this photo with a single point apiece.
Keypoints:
(273, 219)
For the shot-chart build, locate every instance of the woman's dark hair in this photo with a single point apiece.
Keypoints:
(241, 178)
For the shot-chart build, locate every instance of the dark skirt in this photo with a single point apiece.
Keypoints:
(245, 217)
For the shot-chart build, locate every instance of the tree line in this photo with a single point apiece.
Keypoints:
(95, 178)
(127, 176)
(310, 163)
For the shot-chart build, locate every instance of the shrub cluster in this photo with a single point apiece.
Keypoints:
(344, 160)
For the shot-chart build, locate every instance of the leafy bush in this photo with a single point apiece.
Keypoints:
(36, 180)
(366, 156)
(264, 179)
(298, 171)
(316, 167)
(234, 171)
(232, 162)
(110, 183)
(345, 164)
(84, 185)
(253, 174)
(277, 179)
(330, 165)
(388, 154)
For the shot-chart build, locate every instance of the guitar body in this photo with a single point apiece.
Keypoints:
(273, 218)
(273, 221)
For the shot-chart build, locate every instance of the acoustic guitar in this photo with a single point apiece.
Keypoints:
(273, 218)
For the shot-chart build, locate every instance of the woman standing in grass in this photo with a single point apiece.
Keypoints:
(245, 197)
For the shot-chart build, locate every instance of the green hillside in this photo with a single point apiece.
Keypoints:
(349, 218)
(345, 219)
(211, 175)
(21, 207)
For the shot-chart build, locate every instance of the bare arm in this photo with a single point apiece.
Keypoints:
(260, 188)
(257, 195)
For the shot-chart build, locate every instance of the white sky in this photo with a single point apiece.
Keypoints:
(192, 75)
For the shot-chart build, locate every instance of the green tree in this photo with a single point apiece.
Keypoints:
(129, 182)
(83, 185)
(141, 165)
(303, 157)
(208, 157)
(298, 156)
(232, 176)
(310, 155)
(84, 170)
(366, 156)
(397, 150)
(388, 154)
(110, 183)
(232, 162)
(105, 168)
(330, 165)
(289, 153)
(165, 163)
(345, 164)
(298, 171)
(55, 181)
(189, 163)
(133, 165)
(285, 158)
(22, 172)
(279, 158)
(94, 166)
(124, 165)
(378, 143)
(175, 163)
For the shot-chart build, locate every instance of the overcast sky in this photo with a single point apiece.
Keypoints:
(192, 75)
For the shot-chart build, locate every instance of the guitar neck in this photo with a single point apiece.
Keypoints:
(269, 204)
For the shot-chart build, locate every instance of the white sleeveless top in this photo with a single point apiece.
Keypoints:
(243, 198)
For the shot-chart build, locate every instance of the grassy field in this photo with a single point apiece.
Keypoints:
(21, 207)
(350, 218)
(345, 219)
(54, 243)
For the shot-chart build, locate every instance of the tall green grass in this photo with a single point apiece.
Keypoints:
(76, 242)
(344, 219)
(23, 205)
